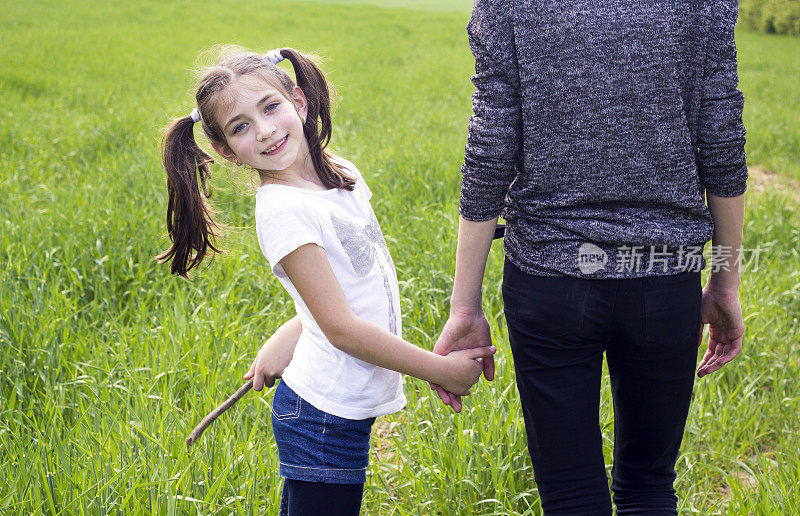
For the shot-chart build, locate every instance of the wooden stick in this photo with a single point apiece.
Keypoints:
(214, 414)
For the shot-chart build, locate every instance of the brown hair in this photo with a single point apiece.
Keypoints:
(190, 219)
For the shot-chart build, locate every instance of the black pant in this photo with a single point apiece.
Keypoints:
(558, 329)
(300, 498)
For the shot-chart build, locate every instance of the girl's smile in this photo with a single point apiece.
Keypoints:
(264, 129)
(271, 151)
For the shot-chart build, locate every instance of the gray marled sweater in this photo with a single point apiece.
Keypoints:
(603, 123)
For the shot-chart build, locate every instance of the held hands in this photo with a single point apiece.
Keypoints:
(464, 330)
(464, 368)
(272, 359)
(723, 314)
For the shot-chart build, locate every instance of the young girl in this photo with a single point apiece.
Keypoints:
(317, 229)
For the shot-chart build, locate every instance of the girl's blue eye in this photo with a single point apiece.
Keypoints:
(269, 107)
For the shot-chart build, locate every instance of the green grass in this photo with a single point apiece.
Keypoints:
(460, 6)
(769, 76)
(106, 362)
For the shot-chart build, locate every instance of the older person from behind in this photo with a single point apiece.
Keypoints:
(609, 136)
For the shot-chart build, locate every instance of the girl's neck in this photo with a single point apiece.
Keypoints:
(305, 177)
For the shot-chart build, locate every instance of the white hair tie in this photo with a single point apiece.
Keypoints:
(275, 56)
(195, 114)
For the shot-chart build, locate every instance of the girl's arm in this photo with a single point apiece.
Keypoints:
(310, 272)
(275, 355)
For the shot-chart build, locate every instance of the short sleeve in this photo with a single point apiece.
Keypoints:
(361, 184)
(282, 225)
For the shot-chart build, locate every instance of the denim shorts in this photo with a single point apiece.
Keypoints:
(315, 446)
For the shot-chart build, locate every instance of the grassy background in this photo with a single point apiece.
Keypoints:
(106, 362)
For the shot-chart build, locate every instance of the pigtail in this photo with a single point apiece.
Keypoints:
(317, 127)
(190, 219)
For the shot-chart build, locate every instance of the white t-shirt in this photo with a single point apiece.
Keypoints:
(343, 223)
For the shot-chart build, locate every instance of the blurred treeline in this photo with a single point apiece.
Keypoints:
(772, 16)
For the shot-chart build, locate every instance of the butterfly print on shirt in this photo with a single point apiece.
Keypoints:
(360, 242)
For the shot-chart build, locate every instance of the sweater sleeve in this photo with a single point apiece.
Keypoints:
(495, 128)
(721, 133)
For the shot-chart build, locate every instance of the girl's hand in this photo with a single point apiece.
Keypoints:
(272, 359)
(275, 355)
(463, 368)
(465, 329)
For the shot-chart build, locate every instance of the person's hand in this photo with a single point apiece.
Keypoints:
(723, 314)
(464, 329)
(272, 359)
(464, 368)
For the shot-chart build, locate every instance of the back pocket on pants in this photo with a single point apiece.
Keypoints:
(285, 403)
(542, 305)
(672, 308)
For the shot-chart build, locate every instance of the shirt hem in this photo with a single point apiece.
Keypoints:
(318, 401)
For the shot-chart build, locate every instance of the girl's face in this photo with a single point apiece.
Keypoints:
(263, 128)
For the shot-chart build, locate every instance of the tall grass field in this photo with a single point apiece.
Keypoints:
(107, 362)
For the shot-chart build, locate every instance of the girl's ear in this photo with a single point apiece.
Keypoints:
(300, 102)
(226, 152)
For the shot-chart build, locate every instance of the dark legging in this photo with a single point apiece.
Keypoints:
(559, 328)
(302, 498)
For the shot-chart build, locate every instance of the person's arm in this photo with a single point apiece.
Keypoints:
(720, 305)
(310, 272)
(494, 132)
(491, 158)
(467, 327)
(722, 169)
(721, 161)
(275, 355)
